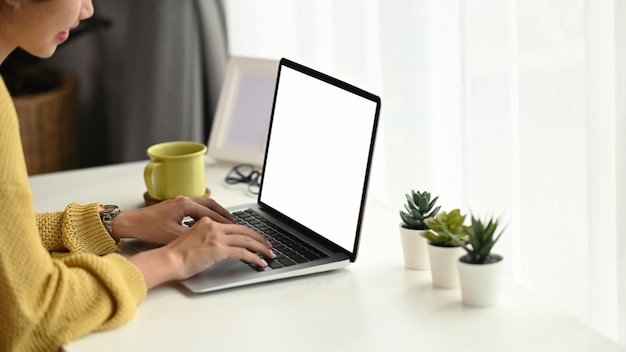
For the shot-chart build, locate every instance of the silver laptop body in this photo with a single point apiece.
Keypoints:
(315, 174)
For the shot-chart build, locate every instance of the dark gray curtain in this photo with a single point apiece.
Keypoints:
(153, 75)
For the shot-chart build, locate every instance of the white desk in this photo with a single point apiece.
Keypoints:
(373, 305)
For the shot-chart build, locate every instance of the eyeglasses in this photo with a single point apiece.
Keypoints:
(245, 173)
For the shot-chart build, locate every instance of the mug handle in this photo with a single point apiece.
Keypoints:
(147, 177)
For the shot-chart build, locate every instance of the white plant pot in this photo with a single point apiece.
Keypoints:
(444, 266)
(414, 249)
(480, 283)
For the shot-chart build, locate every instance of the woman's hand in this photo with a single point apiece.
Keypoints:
(162, 222)
(199, 247)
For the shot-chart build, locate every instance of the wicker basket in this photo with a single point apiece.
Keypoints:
(48, 127)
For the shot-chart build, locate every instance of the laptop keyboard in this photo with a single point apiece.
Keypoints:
(289, 250)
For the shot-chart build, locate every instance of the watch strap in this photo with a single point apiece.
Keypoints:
(107, 214)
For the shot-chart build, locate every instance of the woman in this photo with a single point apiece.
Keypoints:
(60, 277)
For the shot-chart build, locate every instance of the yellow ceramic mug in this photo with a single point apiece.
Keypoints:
(175, 168)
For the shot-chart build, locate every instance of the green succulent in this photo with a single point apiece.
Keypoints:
(480, 241)
(419, 206)
(446, 229)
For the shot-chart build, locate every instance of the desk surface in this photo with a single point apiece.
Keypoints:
(373, 305)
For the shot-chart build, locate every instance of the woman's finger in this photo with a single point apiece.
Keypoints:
(247, 256)
(217, 212)
(236, 229)
(249, 244)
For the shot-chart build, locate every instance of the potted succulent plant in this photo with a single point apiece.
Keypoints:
(480, 271)
(447, 231)
(419, 206)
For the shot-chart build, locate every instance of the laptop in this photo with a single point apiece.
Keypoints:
(314, 180)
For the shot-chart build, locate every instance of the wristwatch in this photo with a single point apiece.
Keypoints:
(107, 213)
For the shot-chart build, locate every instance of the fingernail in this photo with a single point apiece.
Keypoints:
(273, 254)
(264, 263)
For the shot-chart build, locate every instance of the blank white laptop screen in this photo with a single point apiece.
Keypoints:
(318, 149)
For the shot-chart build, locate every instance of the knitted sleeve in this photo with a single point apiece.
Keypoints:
(78, 230)
(45, 301)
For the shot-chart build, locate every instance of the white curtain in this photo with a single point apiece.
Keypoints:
(506, 108)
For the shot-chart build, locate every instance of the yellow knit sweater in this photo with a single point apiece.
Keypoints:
(59, 275)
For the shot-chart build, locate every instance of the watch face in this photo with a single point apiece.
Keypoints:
(109, 208)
